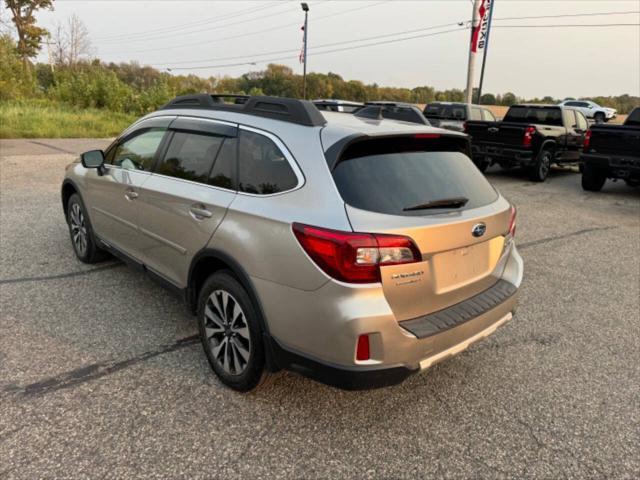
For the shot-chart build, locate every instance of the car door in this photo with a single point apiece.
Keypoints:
(575, 135)
(113, 192)
(186, 198)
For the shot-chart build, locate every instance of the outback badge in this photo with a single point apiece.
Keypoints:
(478, 229)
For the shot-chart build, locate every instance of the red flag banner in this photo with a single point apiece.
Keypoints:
(301, 56)
(479, 33)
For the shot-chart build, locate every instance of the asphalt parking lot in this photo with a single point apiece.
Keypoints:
(101, 374)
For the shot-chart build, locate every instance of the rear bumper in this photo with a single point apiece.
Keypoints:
(616, 166)
(498, 153)
(399, 349)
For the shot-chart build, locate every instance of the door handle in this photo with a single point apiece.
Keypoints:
(199, 212)
(131, 194)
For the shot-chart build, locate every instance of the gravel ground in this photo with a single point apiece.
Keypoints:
(101, 374)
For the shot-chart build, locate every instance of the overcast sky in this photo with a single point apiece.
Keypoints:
(211, 35)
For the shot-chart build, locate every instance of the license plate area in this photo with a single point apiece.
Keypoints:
(460, 267)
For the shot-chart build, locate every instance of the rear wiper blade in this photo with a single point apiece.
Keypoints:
(456, 202)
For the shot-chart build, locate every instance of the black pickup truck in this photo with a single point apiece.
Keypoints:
(530, 136)
(612, 151)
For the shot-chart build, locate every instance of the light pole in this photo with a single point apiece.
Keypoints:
(305, 9)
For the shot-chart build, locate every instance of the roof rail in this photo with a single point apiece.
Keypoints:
(300, 112)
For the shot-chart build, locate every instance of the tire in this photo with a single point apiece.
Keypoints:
(593, 179)
(539, 171)
(230, 332)
(599, 117)
(482, 163)
(81, 233)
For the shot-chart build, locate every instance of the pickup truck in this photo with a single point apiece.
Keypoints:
(530, 136)
(452, 115)
(612, 151)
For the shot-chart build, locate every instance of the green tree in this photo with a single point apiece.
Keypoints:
(488, 99)
(14, 85)
(29, 34)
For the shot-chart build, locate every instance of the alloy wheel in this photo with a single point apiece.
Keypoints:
(78, 229)
(227, 332)
(545, 165)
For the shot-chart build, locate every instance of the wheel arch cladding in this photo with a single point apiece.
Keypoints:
(209, 261)
(68, 189)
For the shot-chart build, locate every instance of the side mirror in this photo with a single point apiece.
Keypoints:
(93, 159)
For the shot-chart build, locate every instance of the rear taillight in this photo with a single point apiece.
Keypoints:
(587, 141)
(355, 257)
(427, 135)
(362, 348)
(512, 221)
(465, 127)
(529, 132)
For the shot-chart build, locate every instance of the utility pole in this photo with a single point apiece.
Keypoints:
(485, 49)
(305, 8)
(473, 47)
(48, 43)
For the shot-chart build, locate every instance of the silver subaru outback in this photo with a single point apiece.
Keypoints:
(352, 249)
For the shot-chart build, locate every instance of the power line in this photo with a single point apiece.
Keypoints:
(326, 51)
(207, 29)
(355, 47)
(406, 32)
(255, 32)
(172, 28)
(567, 15)
(355, 40)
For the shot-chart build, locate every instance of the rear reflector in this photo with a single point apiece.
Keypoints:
(362, 349)
(355, 257)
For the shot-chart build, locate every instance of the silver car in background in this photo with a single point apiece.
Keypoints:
(355, 251)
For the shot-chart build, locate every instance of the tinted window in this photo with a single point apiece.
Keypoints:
(573, 104)
(190, 156)
(138, 152)
(262, 167)
(538, 115)
(446, 112)
(224, 169)
(388, 176)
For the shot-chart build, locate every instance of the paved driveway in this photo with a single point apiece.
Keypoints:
(101, 374)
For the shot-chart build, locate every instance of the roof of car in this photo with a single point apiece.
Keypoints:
(345, 125)
(536, 105)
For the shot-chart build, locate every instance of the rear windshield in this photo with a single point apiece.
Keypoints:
(538, 115)
(446, 112)
(393, 176)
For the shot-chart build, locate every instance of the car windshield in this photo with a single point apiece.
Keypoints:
(398, 176)
(537, 115)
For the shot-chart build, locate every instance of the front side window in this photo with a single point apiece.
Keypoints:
(138, 152)
(262, 167)
(190, 156)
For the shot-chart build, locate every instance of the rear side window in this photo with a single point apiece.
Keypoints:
(538, 115)
(262, 167)
(138, 153)
(393, 176)
(487, 115)
(633, 118)
(190, 156)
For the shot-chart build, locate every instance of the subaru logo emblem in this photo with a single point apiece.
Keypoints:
(478, 229)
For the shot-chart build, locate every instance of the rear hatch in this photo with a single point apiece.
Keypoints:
(615, 140)
(394, 185)
(496, 133)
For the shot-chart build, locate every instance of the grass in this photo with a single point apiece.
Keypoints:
(43, 119)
